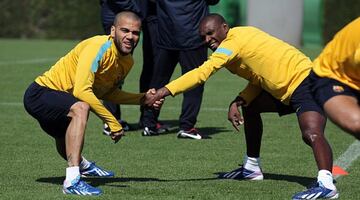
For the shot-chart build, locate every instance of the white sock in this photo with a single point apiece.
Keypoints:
(326, 179)
(72, 173)
(84, 164)
(252, 163)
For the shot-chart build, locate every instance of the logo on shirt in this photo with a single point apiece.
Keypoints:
(338, 88)
(225, 51)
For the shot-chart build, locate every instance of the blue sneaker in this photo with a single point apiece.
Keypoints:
(94, 170)
(317, 192)
(79, 187)
(243, 174)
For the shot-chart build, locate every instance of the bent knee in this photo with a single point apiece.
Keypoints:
(79, 109)
(312, 136)
(354, 129)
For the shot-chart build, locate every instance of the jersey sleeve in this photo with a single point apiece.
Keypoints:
(83, 87)
(250, 92)
(225, 53)
(121, 97)
(357, 55)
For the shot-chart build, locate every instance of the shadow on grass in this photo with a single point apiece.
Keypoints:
(99, 181)
(172, 123)
(107, 181)
(302, 180)
(206, 132)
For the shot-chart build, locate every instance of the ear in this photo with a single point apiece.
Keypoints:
(226, 27)
(112, 33)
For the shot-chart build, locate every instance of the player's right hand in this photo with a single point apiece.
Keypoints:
(155, 98)
(116, 136)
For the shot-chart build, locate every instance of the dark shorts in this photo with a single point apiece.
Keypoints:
(50, 108)
(301, 101)
(325, 88)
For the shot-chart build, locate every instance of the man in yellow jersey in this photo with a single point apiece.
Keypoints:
(278, 82)
(336, 79)
(61, 98)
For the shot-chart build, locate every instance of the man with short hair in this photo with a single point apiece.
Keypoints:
(336, 79)
(61, 98)
(278, 82)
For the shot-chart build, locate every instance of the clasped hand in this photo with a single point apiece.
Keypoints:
(155, 98)
(151, 99)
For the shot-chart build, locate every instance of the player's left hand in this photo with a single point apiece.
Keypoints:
(116, 136)
(234, 115)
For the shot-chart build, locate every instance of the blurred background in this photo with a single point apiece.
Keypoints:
(299, 22)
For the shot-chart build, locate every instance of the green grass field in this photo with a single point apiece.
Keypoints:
(162, 167)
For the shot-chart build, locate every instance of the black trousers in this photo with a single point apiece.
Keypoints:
(165, 64)
(150, 35)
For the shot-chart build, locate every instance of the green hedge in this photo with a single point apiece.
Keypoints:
(337, 13)
(68, 19)
(78, 19)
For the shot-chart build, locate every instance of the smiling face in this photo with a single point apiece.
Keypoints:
(126, 32)
(213, 31)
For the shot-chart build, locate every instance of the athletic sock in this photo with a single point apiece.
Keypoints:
(326, 178)
(72, 173)
(252, 163)
(84, 164)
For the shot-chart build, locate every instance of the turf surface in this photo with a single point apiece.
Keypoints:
(162, 167)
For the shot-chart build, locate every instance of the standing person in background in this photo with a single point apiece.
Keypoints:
(179, 42)
(146, 9)
(150, 35)
(336, 79)
(109, 9)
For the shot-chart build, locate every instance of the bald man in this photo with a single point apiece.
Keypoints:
(278, 82)
(61, 98)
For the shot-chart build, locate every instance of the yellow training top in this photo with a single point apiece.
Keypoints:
(340, 59)
(93, 70)
(265, 61)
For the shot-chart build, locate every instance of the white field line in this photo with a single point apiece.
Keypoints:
(348, 157)
(28, 61)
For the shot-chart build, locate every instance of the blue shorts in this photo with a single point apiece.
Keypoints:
(324, 88)
(50, 108)
(301, 101)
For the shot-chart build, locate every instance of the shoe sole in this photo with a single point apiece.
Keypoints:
(191, 136)
(148, 135)
(90, 194)
(88, 176)
(107, 133)
(335, 196)
(234, 174)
